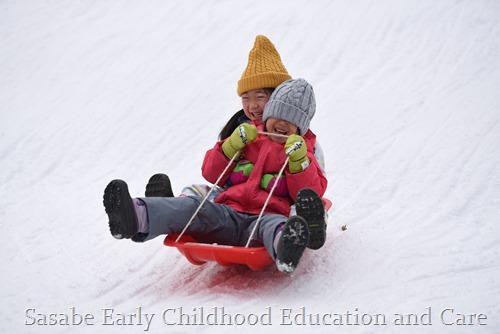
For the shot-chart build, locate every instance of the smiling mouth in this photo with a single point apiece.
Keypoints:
(257, 114)
(280, 132)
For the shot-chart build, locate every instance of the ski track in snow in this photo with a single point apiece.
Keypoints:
(408, 117)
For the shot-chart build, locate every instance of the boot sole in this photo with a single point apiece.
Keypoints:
(119, 208)
(292, 244)
(310, 207)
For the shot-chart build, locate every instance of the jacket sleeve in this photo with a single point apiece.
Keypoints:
(214, 164)
(312, 177)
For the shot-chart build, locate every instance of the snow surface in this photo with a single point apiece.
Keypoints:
(408, 117)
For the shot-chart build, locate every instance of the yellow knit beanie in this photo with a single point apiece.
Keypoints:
(264, 69)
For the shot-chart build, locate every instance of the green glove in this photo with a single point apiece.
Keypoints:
(296, 149)
(242, 135)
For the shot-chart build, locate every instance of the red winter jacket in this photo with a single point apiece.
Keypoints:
(268, 157)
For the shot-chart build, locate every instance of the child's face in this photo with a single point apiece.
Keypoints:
(281, 127)
(253, 103)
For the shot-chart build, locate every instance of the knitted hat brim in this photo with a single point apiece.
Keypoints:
(287, 112)
(261, 80)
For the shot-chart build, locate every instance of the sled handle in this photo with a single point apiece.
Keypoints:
(207, 195)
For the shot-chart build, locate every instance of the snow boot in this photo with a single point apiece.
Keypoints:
(292, 243)
(159, 186)
(310, 207)
(120, 210)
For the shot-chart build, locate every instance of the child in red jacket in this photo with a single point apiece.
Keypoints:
(235, 212)
(264, 72)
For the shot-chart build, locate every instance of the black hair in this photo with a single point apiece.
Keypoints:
(232, 124)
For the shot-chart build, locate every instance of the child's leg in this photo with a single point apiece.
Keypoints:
(213, 223)
(291, 244)
(128, 217)
(146, 218)
(269, 227)
(201, 191)
(285, 239)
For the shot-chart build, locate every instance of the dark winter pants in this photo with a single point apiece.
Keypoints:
(214, 223)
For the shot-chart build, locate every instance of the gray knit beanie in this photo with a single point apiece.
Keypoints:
(294, 102)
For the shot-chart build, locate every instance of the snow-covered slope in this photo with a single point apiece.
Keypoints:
(408, 116)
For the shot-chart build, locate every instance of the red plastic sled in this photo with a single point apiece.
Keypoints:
(256, 258)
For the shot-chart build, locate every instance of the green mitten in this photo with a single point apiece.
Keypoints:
(296, 149)
(242, 135)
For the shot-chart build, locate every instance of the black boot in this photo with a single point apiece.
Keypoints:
(120, 209)
(292, 243)
(310, 207)
(159, 186)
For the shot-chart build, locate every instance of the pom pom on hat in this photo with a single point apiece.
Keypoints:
(264, 69)
(294, 102)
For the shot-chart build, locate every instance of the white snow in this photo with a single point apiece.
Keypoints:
(408, 117)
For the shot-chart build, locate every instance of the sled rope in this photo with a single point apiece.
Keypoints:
(267, 201)
(207, 195)
(273, 134)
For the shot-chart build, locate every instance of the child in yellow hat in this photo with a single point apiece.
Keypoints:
(264, 72)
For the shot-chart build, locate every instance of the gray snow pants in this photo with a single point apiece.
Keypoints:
(214, 223)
